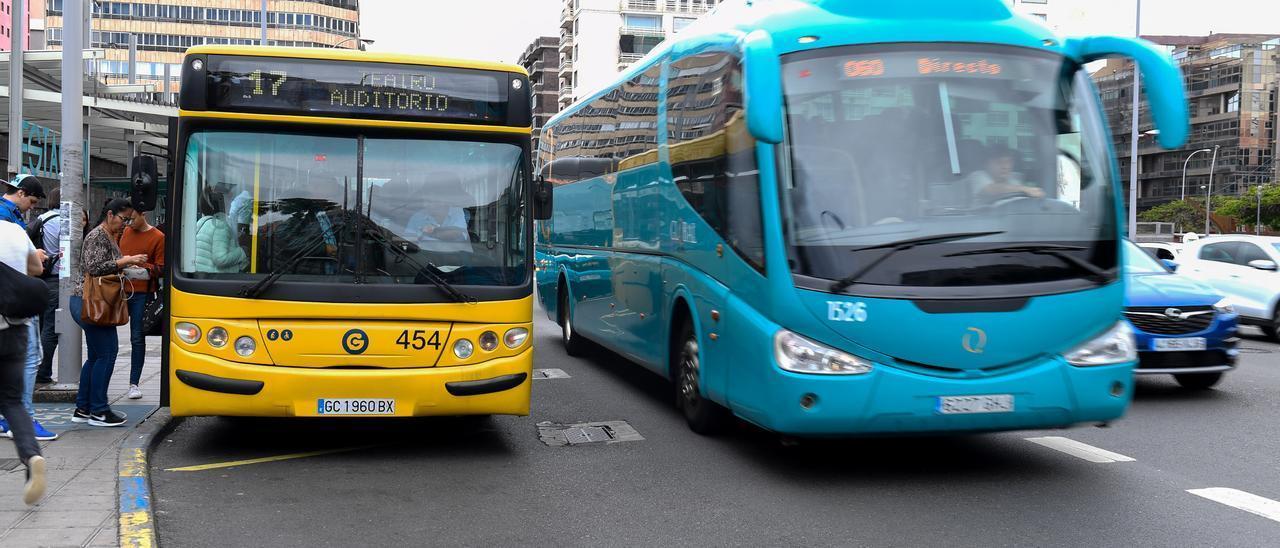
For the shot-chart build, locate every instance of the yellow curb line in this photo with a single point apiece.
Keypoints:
(229, 464)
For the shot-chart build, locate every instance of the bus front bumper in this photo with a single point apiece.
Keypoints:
(204, 385)
(1048, 394)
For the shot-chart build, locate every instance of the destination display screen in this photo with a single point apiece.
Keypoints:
(312, 87)
(902, 64)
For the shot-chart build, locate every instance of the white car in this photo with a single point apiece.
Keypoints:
(1162, 250)
(1245, 269)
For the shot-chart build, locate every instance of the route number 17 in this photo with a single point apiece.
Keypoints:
(418, 340)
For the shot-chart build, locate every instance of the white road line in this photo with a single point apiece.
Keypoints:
(1236, 498)
(1079, 450)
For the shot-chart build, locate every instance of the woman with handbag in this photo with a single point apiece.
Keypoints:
(98, 306)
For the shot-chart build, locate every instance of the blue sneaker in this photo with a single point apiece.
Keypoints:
(43, 434)
(4, 429)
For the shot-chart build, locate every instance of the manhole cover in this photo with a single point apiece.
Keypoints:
(559, 435)
(550, 374)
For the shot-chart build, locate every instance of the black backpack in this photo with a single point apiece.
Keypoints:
(21, 296)
(35, 230)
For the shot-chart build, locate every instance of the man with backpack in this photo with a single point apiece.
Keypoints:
(19, 303)
(45, 233)
(20, 196)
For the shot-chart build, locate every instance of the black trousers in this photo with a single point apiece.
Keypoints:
(48, 337)
(13, 360)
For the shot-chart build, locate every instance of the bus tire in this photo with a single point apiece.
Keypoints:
(574, 345)
(1199, 381)
(703, 415)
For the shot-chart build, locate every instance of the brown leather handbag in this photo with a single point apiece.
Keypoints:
(104, 301)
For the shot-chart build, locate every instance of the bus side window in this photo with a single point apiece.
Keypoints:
(712, 153)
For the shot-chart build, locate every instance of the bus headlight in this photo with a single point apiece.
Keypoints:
(515, 337)
(801, 355)
(1224, 306)
(1114, 346)
(488, 341)
(245, 346)
(463, 349)
(217, 337)
(187, 332)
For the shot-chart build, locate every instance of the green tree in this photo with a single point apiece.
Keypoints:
(1244, 207)
(1185, 213)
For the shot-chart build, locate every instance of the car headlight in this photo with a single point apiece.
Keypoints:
(1224, 306)
(1114, 346)
(801, 355)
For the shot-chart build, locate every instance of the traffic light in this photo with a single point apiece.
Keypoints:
(142, 190)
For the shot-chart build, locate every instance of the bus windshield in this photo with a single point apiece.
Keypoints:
(926, 166)
(295, 205)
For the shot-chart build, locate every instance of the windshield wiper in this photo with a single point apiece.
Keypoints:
(1052, 250)
(902, 245)
(253, 290)
(429, 271)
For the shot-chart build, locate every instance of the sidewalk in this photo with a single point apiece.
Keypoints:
(81, 505)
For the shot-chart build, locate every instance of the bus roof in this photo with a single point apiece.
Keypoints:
(844, 22)
(338, 54)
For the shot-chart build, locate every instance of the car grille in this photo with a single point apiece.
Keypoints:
(1152, 319)
(1182, 360)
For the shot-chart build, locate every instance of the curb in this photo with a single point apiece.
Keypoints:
(137, 517)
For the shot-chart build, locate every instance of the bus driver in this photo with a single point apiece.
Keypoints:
(442, 217)
(998, 180)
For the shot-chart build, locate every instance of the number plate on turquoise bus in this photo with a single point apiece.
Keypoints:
(361, 406)
(958, 405)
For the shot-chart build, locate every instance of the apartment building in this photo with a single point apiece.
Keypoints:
(600, 38)
(542, 60)
(1232, 83)
(6, 33)
(1041, 9)
(164, 29)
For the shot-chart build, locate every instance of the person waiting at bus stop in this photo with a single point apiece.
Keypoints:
(19, 257)
(100, 256)
(140, 238)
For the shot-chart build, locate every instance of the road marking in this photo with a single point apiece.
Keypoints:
(229, 464)
(1079, 450)
(1236, 498)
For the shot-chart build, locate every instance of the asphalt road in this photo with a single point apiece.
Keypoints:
(493, 482)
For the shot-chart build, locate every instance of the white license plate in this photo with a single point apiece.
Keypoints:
(959, 405)
(355, 406)
(1175, 345)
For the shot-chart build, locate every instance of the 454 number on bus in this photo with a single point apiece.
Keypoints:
(417, 339)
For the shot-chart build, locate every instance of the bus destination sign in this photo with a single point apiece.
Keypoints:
(308, 87)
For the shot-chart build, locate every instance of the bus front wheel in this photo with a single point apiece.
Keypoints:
(704, 416)
(573, 343)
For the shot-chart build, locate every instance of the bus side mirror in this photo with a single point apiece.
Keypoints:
(763, 91)
(541, 199)
(142, 191)
(1161, 80)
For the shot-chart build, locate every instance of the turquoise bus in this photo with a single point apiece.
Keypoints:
(840, 217)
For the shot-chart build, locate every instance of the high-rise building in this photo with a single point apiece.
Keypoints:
(542, 60)
(164, 29)
(1232, 82)
(600, 38)
(6, 17)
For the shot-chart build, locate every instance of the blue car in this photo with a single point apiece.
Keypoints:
(1182, 327)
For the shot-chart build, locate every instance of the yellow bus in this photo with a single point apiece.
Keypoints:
(350, 234)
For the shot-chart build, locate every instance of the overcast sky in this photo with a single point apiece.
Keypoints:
(499, 30)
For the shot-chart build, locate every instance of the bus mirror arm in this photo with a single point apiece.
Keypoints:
(763, 90)
(542, 199)
(1161, 80)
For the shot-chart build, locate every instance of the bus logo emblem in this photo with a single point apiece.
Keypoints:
(355, 341)
(974, 340)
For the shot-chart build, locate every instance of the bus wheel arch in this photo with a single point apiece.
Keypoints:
(684, 368)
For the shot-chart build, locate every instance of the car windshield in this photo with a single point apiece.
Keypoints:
(901, 143)
(293, 204)
(1138, 261)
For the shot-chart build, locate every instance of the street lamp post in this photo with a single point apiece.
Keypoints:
(1133, 138)
(1184, 170)
(1257, 223)
(1208, 193)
